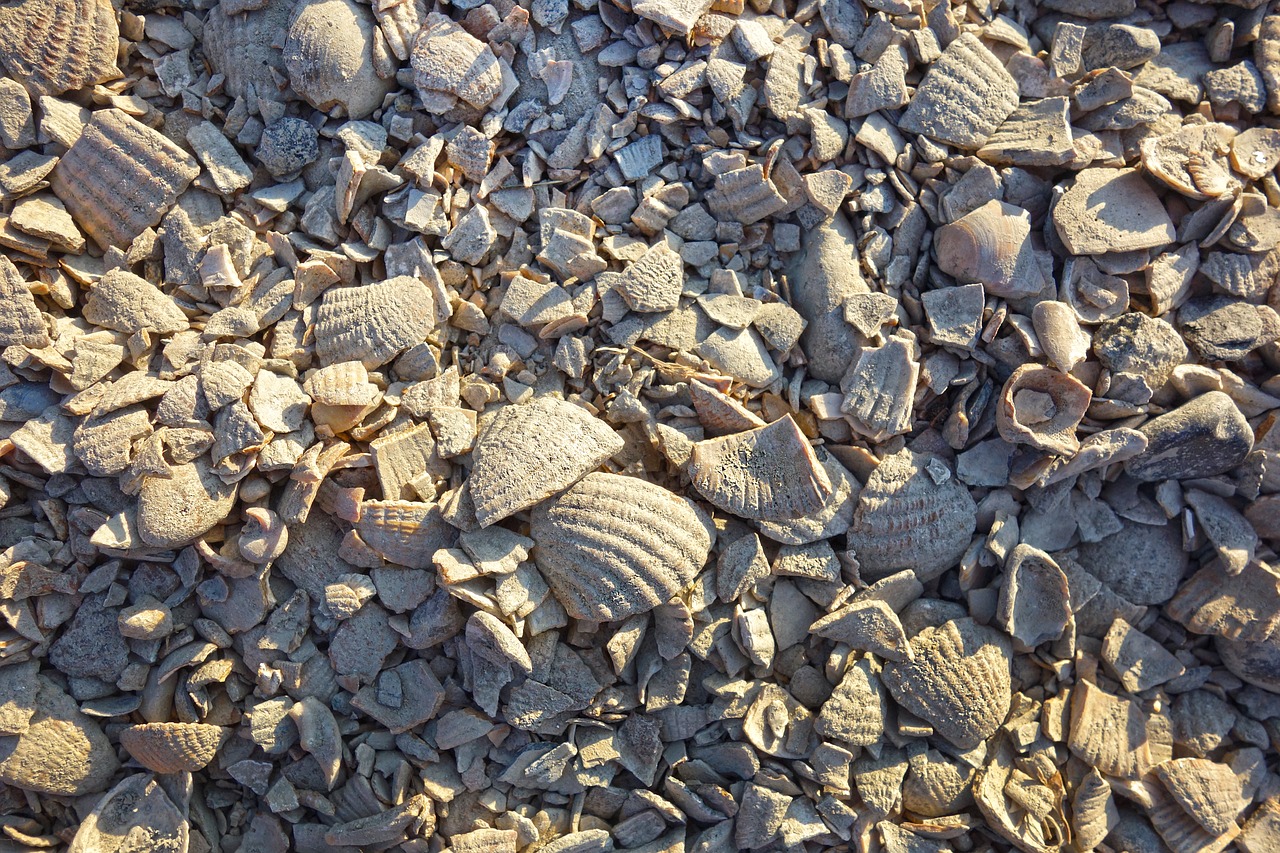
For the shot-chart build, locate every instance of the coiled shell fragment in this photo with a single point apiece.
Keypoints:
(1042, 407)
(172, 747)
(120, 177)
(54, 46)
(530, 452)
(767, 473)
(374, 323)
(613, 546)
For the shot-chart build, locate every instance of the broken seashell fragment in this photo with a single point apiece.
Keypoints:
(1042, 408)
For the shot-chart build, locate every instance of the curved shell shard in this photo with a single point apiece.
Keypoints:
(172, 747)
(1042, 408)
(990, 245)
(530, 452)
(330, 57)
(768, 473)
(613, 546)
(374, 323)
(54, 46)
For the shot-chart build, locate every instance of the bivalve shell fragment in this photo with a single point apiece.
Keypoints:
(172, 747)
(330, 56)
(1042, 407)
(990, 245)
(54, 46)
(965, 96)
(373, 323)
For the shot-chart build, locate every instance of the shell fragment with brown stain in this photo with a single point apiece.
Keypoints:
(964, 96)
(1108, 732)
(530, 452)
(1186, 158)
(1207, 790)
(54, 46)
(613, 546)
(767, 473)
(450, 64)
(120, 177)
(374, 323)
(1042, 408)
(172, 747)
(990, 245)
(959, 681)
(907, 519)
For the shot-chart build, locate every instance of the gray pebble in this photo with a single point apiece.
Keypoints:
(1198, 439)
(1224, 329)
(288, 145)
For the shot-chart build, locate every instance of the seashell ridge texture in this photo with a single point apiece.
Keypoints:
(374, 323)
(172, 747)
(54, 46)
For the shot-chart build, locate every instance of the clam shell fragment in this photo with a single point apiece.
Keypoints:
(53, 46)
(613, 546)
(172, 747)
(964, 97)
(374, 323)
(990, 245)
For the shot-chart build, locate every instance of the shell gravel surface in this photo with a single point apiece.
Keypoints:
(669, 426)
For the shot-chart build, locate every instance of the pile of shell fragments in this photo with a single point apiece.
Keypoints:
(639, 425)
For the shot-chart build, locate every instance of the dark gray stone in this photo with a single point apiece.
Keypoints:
(91, 645)
(1201, 438)
(287, 146)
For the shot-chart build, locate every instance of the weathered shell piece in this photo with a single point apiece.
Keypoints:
(530, 452)
(243, 46)
(767, 473)
(745, 195)
(1243, 606)
(1042, 407)
(965, 96)
(823, 276)
(329, 69)
(1207, 790)
(959, 681)
(906, 519)
(126, 303)
(404, 532)
(1108, 732)
(136, 809)
(613, 546)
(881, 390)
(1003, 789)
(177, 510)
(654, 282)
(53, 46)
(832, 520)
(990, 245)
(172, 747)
(1111, 210)
(1035, 603)
(450, 64)
(373, 323)
(1181, 159)
(856, 711)
(120, 177)
(20, 322)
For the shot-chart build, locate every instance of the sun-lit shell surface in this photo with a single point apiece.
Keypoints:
(1042, 407)
(176, 510)
(136, 809)
(832, 519)
(172, 747)
(54, 46)
(20, 322)
(906, 519)
(329, 56)
(990, 245)
(375, 322)
(245, 46)
(1035, 603)
(958, 682)
(404, 532)
(1192, 159)
(120, 177)
(964, 97)
(528, 453)
(767, 473)
(126, 303)
(614, 546)
(1207, 790)
(450, 64)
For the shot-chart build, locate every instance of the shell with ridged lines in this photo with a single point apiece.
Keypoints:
(527, 453)
(965, 96)
(959, 682)
(614, 546)
(172, 747)
(244, 47)
(54, 46)
(375, 322)
(120, 177)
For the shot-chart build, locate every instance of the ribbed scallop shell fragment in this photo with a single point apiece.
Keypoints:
(613, 546)
(959, 682)
(121, 177)
(172, 747)
(768, 473)
(404, 532)
(906, 519)
(54, 46)
(374, 323)
(965, 96)
(240, 46)
(530, 452)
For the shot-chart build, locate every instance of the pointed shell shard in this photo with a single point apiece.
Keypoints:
(374, 323)
(172, 747)
(530, 452)
(768, 473)
(120, 177)
(613, 546)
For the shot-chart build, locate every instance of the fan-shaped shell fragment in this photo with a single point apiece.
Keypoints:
(450, 64)
(990, 245)
(766, 473)
(964, 97)
(172, 747)
(330, 56)
(54, 46)
(1042, 407)
(404, 532)
(530, 452)
(374, 323)
(959, 681)
(245, 47)
(614, 546)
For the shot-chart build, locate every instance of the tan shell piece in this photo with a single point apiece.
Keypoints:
(1042, 407)
(1181, 832)
(177, 510)
(126, 303)
(856, 711)
(244, 47)
(719, 413)
(1026, 808)
(654, 282)
(136, 808)
(1185, 158)
(1093, 811)
(330, 56)
(20, 323)
(990, 245)
(345, 383)
(1035, 603)
(104, 444)
(1266, 55)
(613, 546)
(404, 532)
(120, 177)
(530, 452)
(1059, 333)
(450, 64)
(1244, 606)
(1111, 210)
(172, 747)
(374, 323)
(54, 46)
(745, 195)
(870, 626)
(965, 96)
(1208, 791)
(778, 725)
(882, 389)
(767, 473)
(832, 520)
(1108, 732)
(905, 519)
(959, 682)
